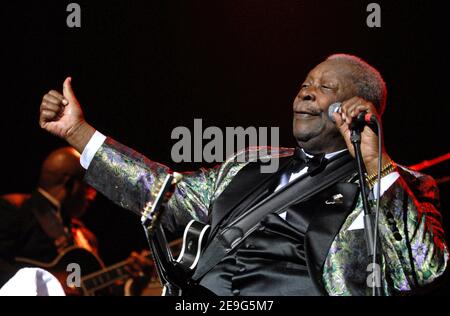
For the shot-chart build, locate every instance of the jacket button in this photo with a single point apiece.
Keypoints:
(397, 236)
(236, 292)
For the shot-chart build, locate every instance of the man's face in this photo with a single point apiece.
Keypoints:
(327, 83)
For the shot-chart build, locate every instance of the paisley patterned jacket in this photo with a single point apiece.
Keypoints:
(414, 252)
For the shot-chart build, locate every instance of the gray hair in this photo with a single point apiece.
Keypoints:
(369, 83)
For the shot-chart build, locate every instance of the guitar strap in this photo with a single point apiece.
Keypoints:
(235, 232)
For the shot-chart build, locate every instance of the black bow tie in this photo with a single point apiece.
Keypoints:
(315, 163)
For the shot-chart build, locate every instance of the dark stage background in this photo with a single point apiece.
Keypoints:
(142, 68)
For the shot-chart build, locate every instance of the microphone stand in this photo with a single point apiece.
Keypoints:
(369, 217)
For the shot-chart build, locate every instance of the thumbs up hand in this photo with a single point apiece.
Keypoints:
(61, 115)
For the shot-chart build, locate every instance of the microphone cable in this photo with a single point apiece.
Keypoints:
(377, 209)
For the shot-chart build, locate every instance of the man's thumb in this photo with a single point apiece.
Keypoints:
(67, 90)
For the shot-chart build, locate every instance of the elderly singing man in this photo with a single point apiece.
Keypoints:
(307, 246)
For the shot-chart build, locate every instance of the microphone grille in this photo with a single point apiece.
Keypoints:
(333, 108)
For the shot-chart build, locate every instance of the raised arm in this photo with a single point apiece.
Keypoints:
(123, 175)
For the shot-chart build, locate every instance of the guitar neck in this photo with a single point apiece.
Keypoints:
(106, 277)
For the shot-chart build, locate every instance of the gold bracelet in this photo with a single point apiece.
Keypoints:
(385, 170)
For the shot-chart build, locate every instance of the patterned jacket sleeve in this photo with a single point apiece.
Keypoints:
(412, 239)
(132, 181)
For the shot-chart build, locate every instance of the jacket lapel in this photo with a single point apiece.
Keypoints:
(329, 214)
(246, 188)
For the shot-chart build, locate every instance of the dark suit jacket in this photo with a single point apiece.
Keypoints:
(411, 235)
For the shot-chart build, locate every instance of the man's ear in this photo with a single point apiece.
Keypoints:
(69, 182)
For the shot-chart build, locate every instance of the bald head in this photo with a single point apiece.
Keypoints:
(61, 165)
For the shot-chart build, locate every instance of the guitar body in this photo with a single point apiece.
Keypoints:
(176, 274)
(89, 263)
(194, 238)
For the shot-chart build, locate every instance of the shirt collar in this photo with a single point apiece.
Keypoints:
(327, 156)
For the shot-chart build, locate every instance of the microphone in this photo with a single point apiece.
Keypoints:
(358, 122)
(334, 108)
